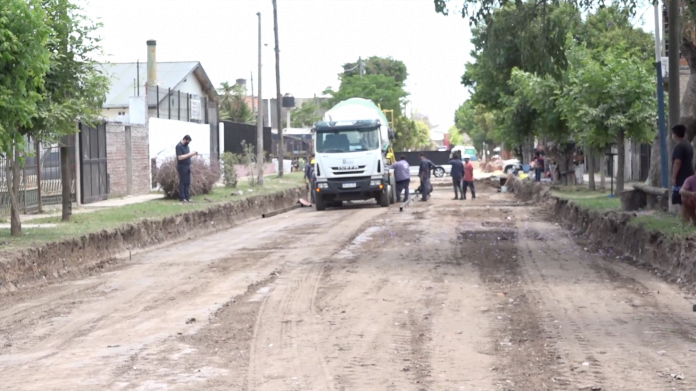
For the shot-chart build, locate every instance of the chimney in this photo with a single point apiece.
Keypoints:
(151, 62)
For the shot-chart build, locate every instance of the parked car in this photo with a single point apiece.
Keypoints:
(512, 166)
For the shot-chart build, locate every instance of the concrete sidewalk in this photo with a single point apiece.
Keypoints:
(88, 208)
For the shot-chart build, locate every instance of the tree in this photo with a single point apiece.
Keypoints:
(381, 89)
(477, 122)
(455, 137)
(379, 66)
(306, 115)
(410, 135)
(24, 60)
(233, 105)
(609, 100)
(75, 86)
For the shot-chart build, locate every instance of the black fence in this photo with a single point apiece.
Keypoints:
(235, 133)
(166, 103)
(48, 189)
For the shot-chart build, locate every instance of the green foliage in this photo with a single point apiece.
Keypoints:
(381, 89)
(306, 115)
(379, 66)
(75, 86)
(410, 135)
(233, 105)
(229, 173)
(24, 61)
(455, 137)
(477, 122)
(479, 11)
(603, 96)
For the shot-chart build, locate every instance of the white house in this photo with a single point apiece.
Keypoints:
(181, 92)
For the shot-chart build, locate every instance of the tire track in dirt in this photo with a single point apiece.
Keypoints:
(609, 334)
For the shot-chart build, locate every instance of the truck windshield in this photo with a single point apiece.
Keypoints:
(347, 140)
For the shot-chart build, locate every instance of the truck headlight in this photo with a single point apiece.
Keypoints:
(323, 185)
(375, 182)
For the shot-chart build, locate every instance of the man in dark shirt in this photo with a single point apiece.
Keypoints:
(310, 177)
(682, 161)
(457, 174)
(426, 166)
(183, 167)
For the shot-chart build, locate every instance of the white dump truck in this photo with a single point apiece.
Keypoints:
(350, 164)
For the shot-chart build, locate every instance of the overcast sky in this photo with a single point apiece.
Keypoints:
(316, 37)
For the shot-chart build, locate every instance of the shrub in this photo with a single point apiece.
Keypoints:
(203, 177)
(229, 173)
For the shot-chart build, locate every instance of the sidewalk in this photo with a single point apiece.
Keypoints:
(88, 208)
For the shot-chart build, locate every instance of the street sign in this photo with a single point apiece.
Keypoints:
(665, 66)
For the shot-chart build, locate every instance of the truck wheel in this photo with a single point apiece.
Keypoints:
(384, 199)
(439, 172)
(319, 202)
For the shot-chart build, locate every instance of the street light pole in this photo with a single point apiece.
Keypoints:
(279, 97)
(259, 120)
(660, 103)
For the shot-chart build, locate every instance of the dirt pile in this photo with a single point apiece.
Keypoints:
(672, 258)
(93, 251)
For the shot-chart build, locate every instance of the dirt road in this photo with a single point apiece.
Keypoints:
(448, 295)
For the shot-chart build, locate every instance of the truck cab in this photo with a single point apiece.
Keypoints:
(350, 163)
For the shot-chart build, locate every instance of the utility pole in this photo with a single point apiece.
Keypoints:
(664, 171)
(259, 121)
(279, 97)
(253, 103)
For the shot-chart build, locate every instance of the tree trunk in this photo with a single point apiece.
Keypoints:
(66, 181)
(654, 176)
(687, 116)
(589, 158)
(620, 171)
(602, 170)
(13, 189)
(37, 148)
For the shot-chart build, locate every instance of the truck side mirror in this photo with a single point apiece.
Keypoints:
(390, 133)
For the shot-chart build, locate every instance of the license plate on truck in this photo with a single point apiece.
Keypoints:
(349, 185)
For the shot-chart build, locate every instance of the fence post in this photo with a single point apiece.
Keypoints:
(169, 102)
(178, 103)
(37, 147)
(24, 182)
(157, 101)
(188, 107)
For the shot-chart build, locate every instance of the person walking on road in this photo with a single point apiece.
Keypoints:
(468, 178)
(682, 168)
(183, 168)
(309, 177)
(402, 177)
(426, 166)
(457, 174)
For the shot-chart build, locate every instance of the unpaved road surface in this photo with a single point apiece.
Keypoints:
(447, 295)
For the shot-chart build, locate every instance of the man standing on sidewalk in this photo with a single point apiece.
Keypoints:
(457, 174)
(468, 178)
(402, 177)
(183, 167)
(682, 162)
(426, 166)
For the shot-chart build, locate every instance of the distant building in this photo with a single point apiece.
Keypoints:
(182, 92)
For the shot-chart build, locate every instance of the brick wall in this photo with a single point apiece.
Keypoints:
(116, 159)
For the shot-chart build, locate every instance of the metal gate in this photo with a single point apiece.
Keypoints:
(94, 182)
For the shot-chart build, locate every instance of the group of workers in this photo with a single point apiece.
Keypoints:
(462, 177)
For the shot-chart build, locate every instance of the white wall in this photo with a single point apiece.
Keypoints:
(191, 85)
(165, 134)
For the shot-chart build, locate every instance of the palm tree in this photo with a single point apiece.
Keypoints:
(233, 106)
